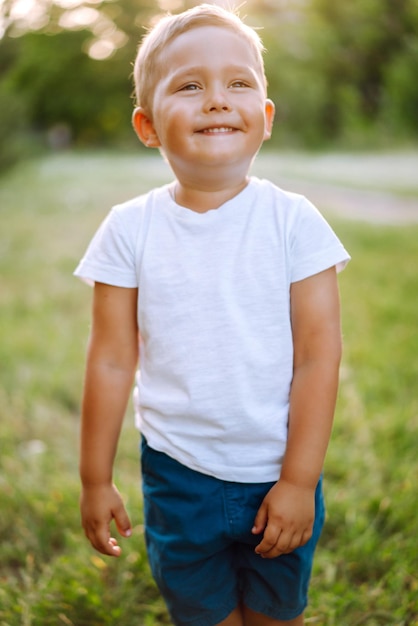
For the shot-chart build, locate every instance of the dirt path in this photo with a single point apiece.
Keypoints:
(356, 204)
(354, 186)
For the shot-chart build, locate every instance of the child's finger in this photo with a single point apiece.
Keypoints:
(260, 521)
(123, 522)
(270, 539)
(102, 542)
(116, 550)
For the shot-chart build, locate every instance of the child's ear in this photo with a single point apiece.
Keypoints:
(269, 115)
(144, 128)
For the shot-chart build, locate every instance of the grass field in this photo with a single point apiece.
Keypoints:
(366, 567)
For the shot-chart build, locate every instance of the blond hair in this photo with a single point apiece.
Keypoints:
(148, 67)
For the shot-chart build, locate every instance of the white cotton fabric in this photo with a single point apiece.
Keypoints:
(216, 349)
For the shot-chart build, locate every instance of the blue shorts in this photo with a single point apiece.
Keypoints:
(201, 549)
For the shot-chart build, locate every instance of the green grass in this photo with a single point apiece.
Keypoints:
(366, 566)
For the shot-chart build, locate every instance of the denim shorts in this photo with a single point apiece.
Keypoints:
(201, 549)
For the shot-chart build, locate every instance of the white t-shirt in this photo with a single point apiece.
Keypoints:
(216, 350)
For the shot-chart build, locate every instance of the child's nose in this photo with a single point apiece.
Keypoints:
(217, 100)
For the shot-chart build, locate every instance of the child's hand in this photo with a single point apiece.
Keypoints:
(99, 505)
(286, 516)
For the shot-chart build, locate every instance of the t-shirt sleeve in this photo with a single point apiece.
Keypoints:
(110, 257)
(314, 246)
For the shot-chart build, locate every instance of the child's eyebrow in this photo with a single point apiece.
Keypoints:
(185, 71)
(190, 71)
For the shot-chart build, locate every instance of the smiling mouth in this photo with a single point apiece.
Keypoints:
(217, 131)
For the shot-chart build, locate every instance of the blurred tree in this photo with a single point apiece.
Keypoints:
(354, 44)
(74, 71)
(62, 86)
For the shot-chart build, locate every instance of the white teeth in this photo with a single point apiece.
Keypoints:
(223, 129)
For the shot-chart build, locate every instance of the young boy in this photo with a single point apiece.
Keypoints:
(229, 285)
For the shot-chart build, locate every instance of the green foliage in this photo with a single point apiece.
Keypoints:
(371, 36)
(12, 128)
(401, 97)
(63, 96)
(60, 84)
(344, 71)
(365, 569)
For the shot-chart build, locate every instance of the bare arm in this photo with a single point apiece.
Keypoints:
(111, 362)
(287, 513)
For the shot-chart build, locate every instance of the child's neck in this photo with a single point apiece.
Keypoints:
(201, 200)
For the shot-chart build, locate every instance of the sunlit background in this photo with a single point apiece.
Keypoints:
(342, 74)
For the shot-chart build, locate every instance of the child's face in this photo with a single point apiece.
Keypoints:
(209, 109)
